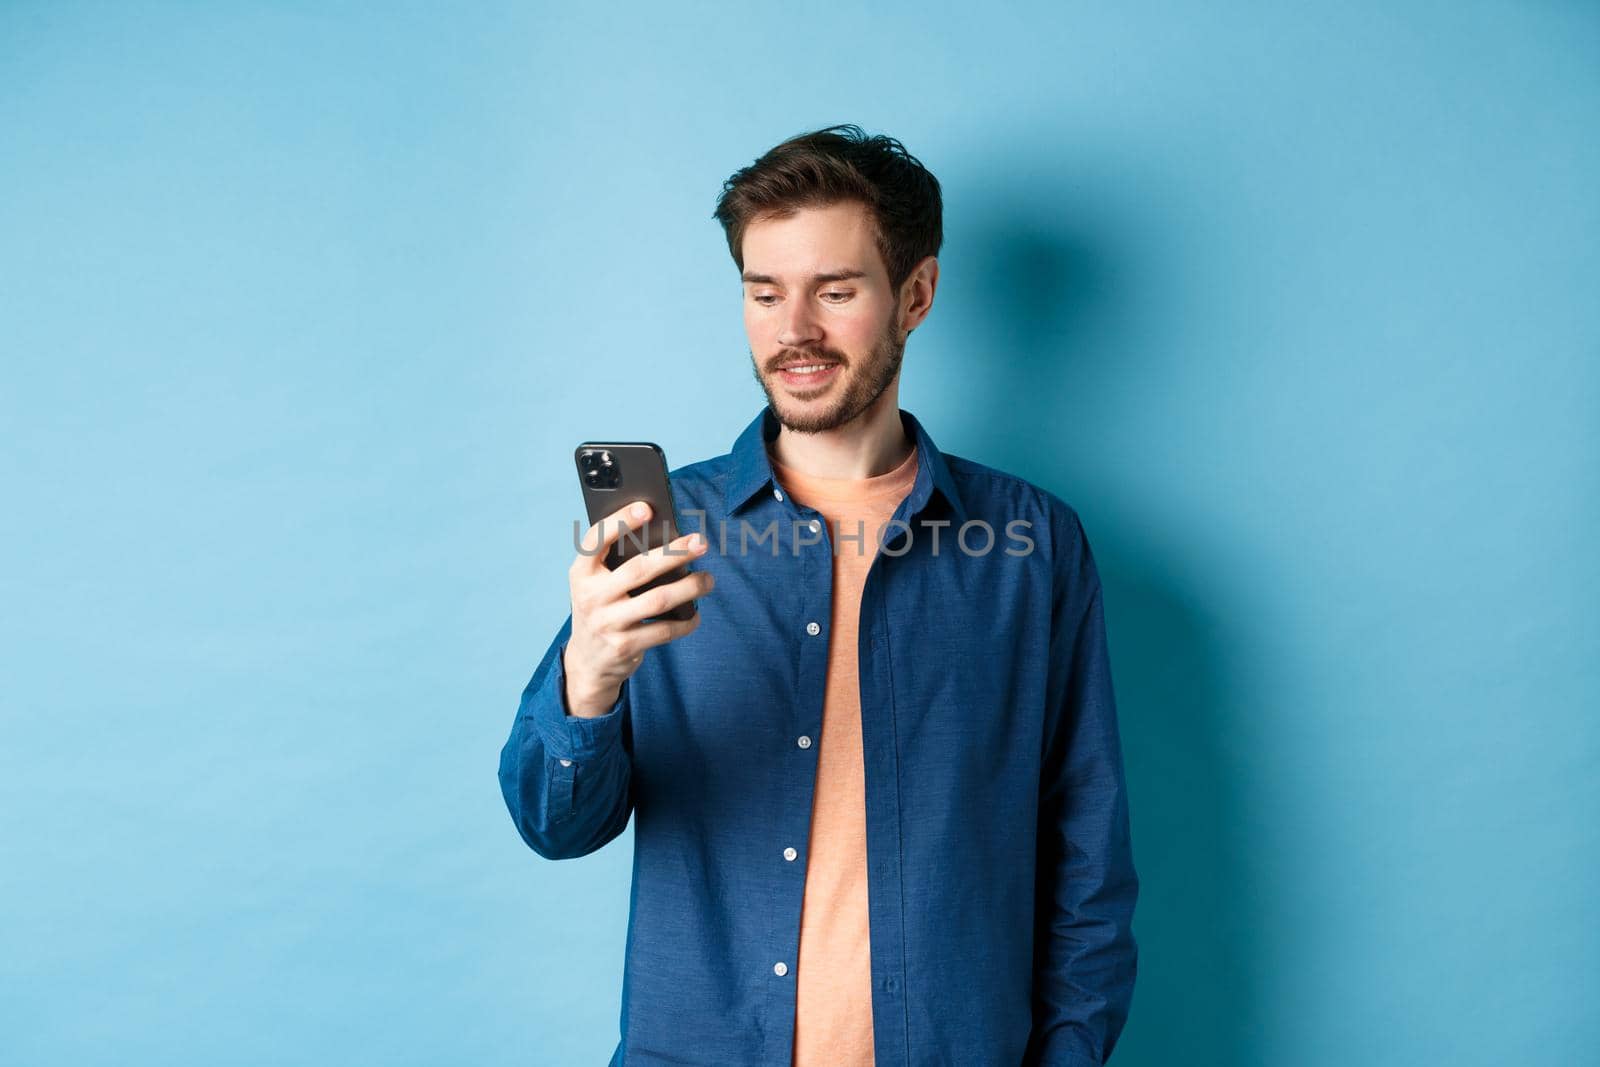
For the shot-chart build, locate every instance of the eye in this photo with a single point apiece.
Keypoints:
(842, 297)
(762, 298)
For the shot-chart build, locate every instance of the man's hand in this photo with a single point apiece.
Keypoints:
(609, 639)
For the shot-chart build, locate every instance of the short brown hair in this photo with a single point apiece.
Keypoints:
(835, 164)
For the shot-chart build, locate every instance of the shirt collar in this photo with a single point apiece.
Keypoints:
(752, 469)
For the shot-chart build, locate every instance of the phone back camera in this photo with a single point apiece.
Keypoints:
(599, 470)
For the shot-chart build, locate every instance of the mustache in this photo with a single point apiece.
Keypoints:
(821, 355)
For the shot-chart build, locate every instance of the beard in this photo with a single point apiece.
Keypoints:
(858, 386)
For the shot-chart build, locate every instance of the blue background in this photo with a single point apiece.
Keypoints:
(303, 308)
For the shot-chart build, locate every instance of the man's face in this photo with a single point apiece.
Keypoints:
(816, 293)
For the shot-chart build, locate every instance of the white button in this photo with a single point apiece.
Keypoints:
(566, 763)
(780, 969)
(789, 854)
(815, 525)
(813, 629)
(804, 742)
(778, 493)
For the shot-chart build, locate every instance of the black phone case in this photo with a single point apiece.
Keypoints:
(637, 470)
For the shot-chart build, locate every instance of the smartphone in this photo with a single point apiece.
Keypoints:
(615, 474)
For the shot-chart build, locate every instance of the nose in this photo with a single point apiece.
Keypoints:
(799, 326)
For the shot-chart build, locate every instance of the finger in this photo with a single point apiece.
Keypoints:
(652, 634)
(645, 566)
(627, 613)
(599, 538)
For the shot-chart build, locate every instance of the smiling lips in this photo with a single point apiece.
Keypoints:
(807, 375)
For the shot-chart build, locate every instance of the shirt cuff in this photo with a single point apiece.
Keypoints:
(576, 737)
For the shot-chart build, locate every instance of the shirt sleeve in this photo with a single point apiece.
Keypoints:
(566, 778)
(1085, 956)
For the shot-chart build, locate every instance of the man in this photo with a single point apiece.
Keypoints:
(876, 781)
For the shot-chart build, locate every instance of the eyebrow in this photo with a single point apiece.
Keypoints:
(816, 279)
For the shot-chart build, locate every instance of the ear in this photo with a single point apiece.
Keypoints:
(916, 295)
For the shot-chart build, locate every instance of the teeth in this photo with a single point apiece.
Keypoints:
(809, 368)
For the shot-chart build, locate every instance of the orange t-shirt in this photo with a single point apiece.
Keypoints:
(833, 976)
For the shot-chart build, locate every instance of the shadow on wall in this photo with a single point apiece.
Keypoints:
(1055, 302)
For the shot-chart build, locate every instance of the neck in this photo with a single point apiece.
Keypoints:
(870, 444)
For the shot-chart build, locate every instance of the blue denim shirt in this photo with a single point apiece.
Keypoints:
(1000, 871)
